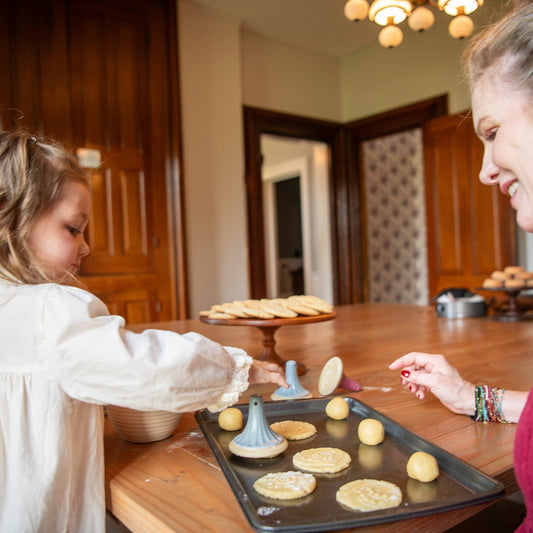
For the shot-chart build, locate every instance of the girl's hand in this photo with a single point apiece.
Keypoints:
(265, 372)
(423, 372)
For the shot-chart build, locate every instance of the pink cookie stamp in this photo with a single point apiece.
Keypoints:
(332, 377)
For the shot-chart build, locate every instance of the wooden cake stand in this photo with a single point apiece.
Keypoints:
(512, 313)
(268, 328)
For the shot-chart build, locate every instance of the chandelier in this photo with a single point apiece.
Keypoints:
(420, 17)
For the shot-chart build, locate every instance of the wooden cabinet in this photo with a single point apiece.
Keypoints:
(102, 75)
(470, 226)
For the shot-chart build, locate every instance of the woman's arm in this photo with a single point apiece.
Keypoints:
(513, 404)
(422, 372)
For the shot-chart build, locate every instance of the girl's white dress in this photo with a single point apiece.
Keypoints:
(62, 357)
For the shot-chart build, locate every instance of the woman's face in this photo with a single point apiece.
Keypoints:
(56, 237)
(503, 119)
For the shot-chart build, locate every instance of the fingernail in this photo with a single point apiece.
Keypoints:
(405, 373)
(411, 388)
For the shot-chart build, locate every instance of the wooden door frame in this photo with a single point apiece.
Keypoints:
(257, 122)
(345, 179)
(177, 243)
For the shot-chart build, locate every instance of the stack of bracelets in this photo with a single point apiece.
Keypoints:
(489, 404)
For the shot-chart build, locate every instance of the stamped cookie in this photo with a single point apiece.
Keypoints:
(216, 314)
(253, 303)
(256, 312)
(277, 310)
(285, 485)
(322, 460)
(230, 309)
(294, 429)
(314, 302)
(369, 495)
(294, 304)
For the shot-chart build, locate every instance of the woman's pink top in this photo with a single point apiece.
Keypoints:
(523, 461)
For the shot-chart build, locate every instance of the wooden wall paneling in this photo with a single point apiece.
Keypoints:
(494, 235)
(470, 228)
(345, 209)
(103, 74)
(120, 87)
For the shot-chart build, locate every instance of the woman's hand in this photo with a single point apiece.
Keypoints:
(423, 372)
(265, 372)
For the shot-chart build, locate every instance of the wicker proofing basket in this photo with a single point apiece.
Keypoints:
(142, 426)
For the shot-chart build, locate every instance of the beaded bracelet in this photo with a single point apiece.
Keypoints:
(488, 404)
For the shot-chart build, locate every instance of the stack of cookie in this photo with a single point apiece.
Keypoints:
(511, 277)
(291, 307)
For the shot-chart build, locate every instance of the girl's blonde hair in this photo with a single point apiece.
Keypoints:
(32, 173)
(509, 40)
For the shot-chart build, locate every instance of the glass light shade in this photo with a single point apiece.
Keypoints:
(461, 27)
(421, 19)
(384, 12)
(390, 36)
(356, 9)
(453, 7)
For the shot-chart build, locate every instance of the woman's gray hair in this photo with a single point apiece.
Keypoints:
(508, 45)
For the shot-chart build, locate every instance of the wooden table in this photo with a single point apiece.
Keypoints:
(177, 485)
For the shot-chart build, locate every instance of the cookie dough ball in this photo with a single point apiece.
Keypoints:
(423, 467)
(371, 431)
(230, 419)
(338, 408)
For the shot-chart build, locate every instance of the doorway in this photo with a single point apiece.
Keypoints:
(297, 217)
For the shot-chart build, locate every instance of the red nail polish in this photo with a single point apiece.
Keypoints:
(405, 373)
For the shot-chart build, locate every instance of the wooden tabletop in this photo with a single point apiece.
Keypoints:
(177, 485)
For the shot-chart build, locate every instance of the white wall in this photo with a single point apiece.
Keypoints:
(288, 79)
(213, 157)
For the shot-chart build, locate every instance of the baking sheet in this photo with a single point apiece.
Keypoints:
(458, 484)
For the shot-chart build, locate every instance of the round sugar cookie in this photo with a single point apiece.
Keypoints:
(317, 303)
(490, 283)
(514, 283)
(229, 309)
(513, 270)
(294, 303)
(294, 429)
(498, 274)
(285, 485)
(277, 310)
(322, 460)
(369, 495)
(256, 312)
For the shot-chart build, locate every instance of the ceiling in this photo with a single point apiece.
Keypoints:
(318, 25)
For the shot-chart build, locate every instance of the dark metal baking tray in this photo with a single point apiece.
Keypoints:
(458, 485)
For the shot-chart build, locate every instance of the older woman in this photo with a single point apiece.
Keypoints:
(500, 68)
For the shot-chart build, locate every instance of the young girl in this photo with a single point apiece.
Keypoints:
(63, 356)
